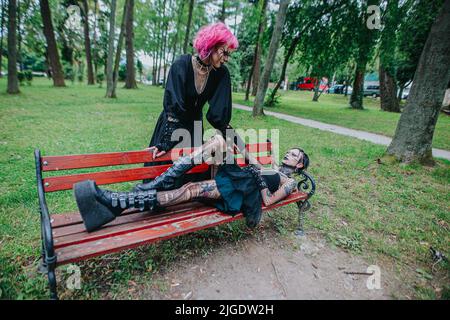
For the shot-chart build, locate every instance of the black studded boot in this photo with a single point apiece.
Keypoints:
(167, 179)
(98, 206)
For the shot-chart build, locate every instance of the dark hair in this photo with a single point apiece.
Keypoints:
(305, 161)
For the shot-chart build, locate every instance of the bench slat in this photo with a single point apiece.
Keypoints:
(57, 183)
(152, 233)
(80, 161)
(61, 220)
(129, 223)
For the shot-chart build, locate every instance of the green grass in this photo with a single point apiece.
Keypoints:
(334, 109)
(388, 214)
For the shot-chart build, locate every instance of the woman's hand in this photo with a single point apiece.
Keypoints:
(156, 152)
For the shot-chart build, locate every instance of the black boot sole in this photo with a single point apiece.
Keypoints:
(93, 213)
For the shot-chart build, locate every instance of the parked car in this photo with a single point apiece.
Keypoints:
(336, 89)
(340, 89)
(308, 83)
(372, 90)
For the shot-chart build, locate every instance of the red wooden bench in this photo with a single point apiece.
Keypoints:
(64, 239)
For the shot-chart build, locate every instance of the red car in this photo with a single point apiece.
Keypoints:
(308, 84)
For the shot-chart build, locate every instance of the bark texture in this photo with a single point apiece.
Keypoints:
(414, 134)
(109, 62)
(188, 26)
(87, 44)
(13, 82)
(130, 80)
(53, 55)
(274, 44)
(388, 91)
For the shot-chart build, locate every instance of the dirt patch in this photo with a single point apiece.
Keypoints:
(271, 268)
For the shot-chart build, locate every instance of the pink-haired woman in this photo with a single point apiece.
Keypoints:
(194, 80)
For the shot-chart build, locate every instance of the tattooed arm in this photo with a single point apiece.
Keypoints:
(288, 185)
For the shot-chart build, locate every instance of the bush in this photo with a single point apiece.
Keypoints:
(122, 72)
(100, 77)
(68, 72)
(28, 76)
(276, 99)
(21, 77)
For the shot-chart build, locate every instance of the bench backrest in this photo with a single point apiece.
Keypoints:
(261, 151)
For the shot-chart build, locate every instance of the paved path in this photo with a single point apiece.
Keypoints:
(363, 135)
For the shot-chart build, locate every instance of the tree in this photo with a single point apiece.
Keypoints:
(300, 18)
(254, 71)
(53, 55)
(412, 35)
(273, 48)
(119, 49)
(387, 67)
(109, 63)
(414, 134)
(130, 80)
(87, 43)
(365, 39)
(2, 24)
(188, 26)
(13, 82)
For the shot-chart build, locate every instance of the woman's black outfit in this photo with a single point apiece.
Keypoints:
(183, 104)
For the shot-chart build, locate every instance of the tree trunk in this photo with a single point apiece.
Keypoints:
(274, 43)
(222, 12)
(316, 90)
(119, 49)
(2, 25)
(19, 38)
(87, 43)
(166, 26)
(287, 57)
(94, 41)
(356, 99)
(256, 70)
(255, 64)
(414, 134)
(13, 82)
(188, 26)
(53, 55)
(388, 92)
(130, 80)
(109, 62)
(177, 28)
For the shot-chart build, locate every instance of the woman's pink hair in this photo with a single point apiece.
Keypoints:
(213, 35)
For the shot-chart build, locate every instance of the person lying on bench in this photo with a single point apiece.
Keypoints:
(233, 189)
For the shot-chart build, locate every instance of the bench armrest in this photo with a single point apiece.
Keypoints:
(46, 228)
(306, 183)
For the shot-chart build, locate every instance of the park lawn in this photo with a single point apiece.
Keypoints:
(389, 214)
(334, 109)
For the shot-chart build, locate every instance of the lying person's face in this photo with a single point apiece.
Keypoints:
(293, 158)
(220, 56)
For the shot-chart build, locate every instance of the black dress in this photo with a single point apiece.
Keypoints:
(182, 101)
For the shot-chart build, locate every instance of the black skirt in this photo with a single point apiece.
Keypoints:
(239, 192)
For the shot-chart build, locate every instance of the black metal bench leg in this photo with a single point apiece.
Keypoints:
(52, 282)
(303, 206)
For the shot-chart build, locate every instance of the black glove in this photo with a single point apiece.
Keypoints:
(166, 142)
(256, 173)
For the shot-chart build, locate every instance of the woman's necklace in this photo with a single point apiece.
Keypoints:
(201, 73)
